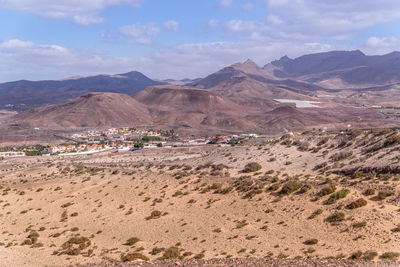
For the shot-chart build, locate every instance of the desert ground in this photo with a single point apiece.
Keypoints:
(316, 196)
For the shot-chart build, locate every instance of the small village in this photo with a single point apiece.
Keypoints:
(124, 139)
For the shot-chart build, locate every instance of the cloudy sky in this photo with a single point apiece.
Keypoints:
(52, 39)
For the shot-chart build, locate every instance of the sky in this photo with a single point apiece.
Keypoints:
(54, 39)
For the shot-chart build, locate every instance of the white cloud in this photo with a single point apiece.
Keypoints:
(16, 43)
(309, 20)
(248, 6)
(225, 3)
(87, 19)
(171, 25)
(83, 12)
(140, 34)
(27, 60)
(381, 45)
(376, 42)
(213, 23)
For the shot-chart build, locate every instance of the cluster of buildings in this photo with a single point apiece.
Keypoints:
(124, 139)
(74, 148)
(114, 134)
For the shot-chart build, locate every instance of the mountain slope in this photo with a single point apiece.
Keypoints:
(287, 117)
(184, 98)
(340, 68)
(94, 110)
(193, 109)
(248, 84)
(25, 94)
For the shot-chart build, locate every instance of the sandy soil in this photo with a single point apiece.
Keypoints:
(198, 203)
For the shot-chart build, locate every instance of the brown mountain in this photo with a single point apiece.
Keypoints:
(248, 84)
(163, 106)
(288, 117)
(184, 98)
(185, 109)
(93, 110)
(241, 98)
(193, 109)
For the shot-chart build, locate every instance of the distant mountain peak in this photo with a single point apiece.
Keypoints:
(359, 52)
(285, 57)
(249, 67)
(132, 73)
(282, 61)
(249, 62)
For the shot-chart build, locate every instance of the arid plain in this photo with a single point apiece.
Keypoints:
(316, 195)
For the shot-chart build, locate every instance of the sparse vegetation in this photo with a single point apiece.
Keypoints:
(171, 253)
(131, 241)
(357, 204)
(360, 224)
(390, 255)
(252, 167)
(336, 196)
(204, 203)
(133, 257)
(335, 217)
(311, 241)
(290, 187)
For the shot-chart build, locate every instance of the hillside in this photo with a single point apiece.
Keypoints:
(288, 117)
(311, 197)
(246, 83)
(25, 94)
(184, 109)
(184, 98)
(191, 109)
(165, 106)
(93, 110)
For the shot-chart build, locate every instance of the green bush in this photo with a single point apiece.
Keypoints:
(290, 187)
(360, 224)
(327, 190)
(336, 217)
(171, 253)
(390, 255)
(131, 241)
(133, 256)
(315, 214)
(336, 196)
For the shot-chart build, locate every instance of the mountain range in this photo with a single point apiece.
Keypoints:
(336, 69)
(168, 106)
(25, 94)
(240, 97)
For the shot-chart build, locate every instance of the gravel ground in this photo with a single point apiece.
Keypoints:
(252, 262)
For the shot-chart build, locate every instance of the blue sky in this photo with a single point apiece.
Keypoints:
(52, 39)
